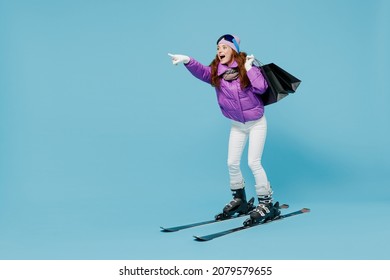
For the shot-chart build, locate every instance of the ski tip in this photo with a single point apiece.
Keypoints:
(166, 229)
(305, 210)
(284, 206)
(199, 239)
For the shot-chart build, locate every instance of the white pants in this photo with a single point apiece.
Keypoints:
(256, 131)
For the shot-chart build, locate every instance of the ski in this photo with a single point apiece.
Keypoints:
(229, 231)
(177, 228)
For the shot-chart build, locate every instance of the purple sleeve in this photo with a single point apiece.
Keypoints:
(200, 71)
(258, 82)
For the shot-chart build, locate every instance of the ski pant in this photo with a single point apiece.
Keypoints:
(256, 132)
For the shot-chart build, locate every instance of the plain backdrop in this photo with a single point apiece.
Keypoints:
(103, 140)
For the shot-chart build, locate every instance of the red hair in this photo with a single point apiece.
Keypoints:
(240, 58)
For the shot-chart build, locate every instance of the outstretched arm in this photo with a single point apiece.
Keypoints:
(197, 69)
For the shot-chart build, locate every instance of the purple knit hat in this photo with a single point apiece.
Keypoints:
(230, 40)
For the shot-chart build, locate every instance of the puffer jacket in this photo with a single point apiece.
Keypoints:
(238, 104)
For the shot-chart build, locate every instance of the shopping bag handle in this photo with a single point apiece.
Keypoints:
(257, 63)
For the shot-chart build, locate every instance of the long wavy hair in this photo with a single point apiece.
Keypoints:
(240, 58)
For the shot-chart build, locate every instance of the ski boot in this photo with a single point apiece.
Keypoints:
(264, 212)
(239, 205)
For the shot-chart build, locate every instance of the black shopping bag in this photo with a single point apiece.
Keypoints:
(280, 83)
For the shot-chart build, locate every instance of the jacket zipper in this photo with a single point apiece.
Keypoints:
(239, 103)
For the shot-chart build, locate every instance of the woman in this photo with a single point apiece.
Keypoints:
(237, 86)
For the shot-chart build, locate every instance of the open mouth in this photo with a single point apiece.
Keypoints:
(221, 56)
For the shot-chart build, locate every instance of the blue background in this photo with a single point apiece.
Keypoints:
(103, 140)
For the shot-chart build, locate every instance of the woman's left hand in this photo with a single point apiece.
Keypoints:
(249, 61)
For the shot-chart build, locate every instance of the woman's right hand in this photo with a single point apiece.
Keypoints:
(177, 58)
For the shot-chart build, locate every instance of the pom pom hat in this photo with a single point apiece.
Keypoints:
(230, 40)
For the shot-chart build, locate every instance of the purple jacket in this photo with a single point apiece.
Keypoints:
(235, 103)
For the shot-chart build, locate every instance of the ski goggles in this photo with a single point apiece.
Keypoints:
(229, 38)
